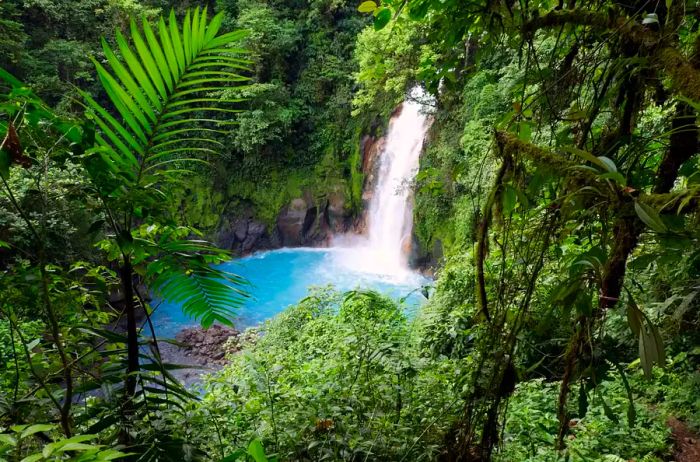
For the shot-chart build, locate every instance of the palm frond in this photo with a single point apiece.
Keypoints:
(164, 83)
(204, 293)
(162, 79)
(185, 274)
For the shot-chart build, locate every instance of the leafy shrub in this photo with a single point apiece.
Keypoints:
(603, 433)
(13, 374)
(334, 377)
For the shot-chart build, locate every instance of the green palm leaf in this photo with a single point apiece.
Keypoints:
(163, 84)
(184, 274)
(166, 79)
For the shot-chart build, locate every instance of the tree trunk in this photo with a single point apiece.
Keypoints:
(132, 346)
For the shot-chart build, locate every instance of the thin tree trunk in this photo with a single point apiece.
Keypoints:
(132, 370)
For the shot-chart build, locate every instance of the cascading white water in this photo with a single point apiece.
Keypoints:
(390, 218)
(390, 214)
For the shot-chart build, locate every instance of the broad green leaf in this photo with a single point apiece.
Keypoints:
(587, 156)
(75, 447)
(647, 351)
(615, 176)
(608, 164)
(509, 199)
(7, 439)
(651, 18)
(256, 451)
(382, 18)
(33, 457)
(635, 318)
(650, 217)
(659, 344)
(36, 429)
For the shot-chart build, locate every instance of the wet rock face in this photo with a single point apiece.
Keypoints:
(244, 235)
(371, 150)
(308, 222)
(426, 259)
(290, 222)
(336, 214)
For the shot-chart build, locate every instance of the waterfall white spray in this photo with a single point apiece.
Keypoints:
(390, 214)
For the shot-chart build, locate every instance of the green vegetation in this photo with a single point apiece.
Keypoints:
(557, 199)
(326, 374)
(350, 376)
(296, 134)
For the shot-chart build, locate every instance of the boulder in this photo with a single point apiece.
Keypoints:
(255, 235)
(207, 345)
(290, 222)
(244, 235)
(240, 229)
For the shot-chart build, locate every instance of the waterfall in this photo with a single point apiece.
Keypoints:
(385, 249)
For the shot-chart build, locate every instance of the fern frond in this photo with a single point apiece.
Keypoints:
(185, 274)
(164, 77)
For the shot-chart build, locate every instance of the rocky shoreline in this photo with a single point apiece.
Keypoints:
(205, 350)
(212, 346)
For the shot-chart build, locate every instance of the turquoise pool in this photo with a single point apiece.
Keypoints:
(280, 278)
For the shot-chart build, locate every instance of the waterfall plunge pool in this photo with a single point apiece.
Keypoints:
(280, 278)
(377, 261)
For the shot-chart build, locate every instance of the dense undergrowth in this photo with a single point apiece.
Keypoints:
(352, 377)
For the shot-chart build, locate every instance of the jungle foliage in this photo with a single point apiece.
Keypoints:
(557, 200)
(563, 163)
(115, 169)
(296, 135)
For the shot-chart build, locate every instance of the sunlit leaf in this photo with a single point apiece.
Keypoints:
(367, 7)
(382, 18)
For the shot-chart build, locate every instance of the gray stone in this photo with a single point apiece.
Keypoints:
(290, 222)
(240, 229)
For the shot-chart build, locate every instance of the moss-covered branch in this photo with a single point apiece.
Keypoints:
(684, 76)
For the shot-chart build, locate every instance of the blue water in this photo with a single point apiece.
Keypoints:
(280, 278)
